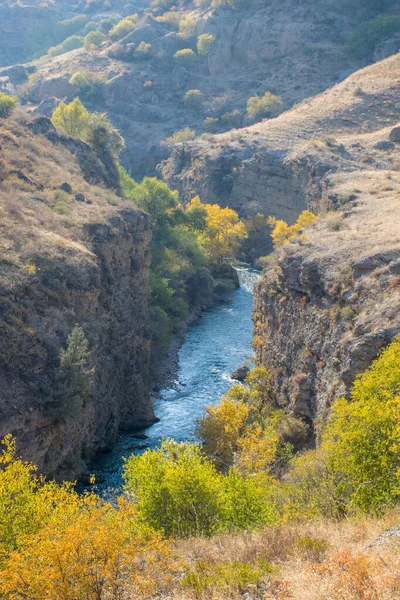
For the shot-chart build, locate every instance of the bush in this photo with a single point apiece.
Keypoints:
(143, 51)
(183, 135)
(93, 40)
(95, 128)
(362, 42)
(172, 18)
(234, 4)
(86, 83)
(72, 43)
(282, 233)
(205, 42)
(210, 123)
(232, 118)
(363, 436)
(266, 106)
(177, 491)
(186, 57)
(187, 27)
(55, 543)
(7, 105)
(193, 99)
(107, 24)
(124, 27)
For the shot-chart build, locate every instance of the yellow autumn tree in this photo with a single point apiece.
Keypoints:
(282, 233)
(223, 232)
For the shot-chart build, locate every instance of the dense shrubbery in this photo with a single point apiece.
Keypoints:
(183, 135)
(72, 43)
(95, 128)
(57, 544)
(178, 491)
(266, 106)
(193, 99)
(86, 83)
(7, 105)
(185, 242)
(93, 40)
(205, 42)
(186, 57)
(123, 27)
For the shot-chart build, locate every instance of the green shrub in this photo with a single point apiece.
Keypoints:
(107, 24)
(171, 17)
(362, 42)
(7, 105)
(177, 491)
(205, 42)
(86, 83)
(94, 128)
(186, 57)
(266, 106)
(93, 40)
(235, 577)
(124, 27)
(72, 43)
(232, 118)
(187, 27)
(362, 438)
(183, 135)
(68, 27)
(193, 99)
(143, 51)
(162, 5)
(210, 123)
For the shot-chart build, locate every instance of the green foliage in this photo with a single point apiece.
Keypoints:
(177, 491)
(362, 438)
(205, 43)
(71, 43)
(210, 123)
(73, 381)
(143, 51)
(94, 128)
(162, 5)
(232, 118)
(93, 40)
(7, 105)
(193, 99)
(362, 42)
(107, 24)
(187, 27)
(186, 57)
(183, 135)
(86, 83)
(123, 27)
(266, 106)
(207, 576)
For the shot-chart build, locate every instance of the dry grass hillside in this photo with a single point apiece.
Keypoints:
(276, 167)
(293, 49)
(353, 560)
(72, 252)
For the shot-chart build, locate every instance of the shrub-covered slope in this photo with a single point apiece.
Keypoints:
(74, 258)
(145, 71)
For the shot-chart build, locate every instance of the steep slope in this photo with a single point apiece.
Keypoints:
(72, 253)
(329, 301)
(292, 49)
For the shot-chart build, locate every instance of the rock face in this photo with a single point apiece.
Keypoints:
(89, 268)
(271, 167)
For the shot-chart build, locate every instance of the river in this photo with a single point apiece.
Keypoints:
(214, 347)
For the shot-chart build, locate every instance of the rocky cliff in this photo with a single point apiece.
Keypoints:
(329, 301)
(72, 253)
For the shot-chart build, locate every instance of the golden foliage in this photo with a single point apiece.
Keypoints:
(282, 233)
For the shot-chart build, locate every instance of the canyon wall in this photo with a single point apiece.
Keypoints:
(75, 257)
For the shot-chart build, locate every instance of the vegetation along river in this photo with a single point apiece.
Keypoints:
(213, 348)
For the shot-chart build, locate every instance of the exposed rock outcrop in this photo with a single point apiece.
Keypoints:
(65, 262)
